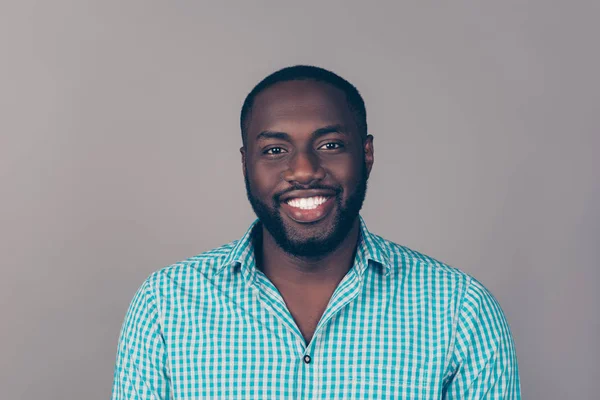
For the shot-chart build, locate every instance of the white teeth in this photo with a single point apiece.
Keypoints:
(307, 203)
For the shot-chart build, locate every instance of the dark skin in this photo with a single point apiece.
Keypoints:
(301, 135)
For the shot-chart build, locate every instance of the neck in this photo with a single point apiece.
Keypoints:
(286, 269)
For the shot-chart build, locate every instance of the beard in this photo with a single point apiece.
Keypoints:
(323, 242)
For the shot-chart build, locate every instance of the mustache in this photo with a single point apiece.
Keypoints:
(336, 189)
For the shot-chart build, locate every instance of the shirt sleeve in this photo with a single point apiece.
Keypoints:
(484, 362)
(141, 367)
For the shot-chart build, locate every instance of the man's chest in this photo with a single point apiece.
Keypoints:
(251, 349)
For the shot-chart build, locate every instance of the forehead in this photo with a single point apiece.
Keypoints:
(298, 106)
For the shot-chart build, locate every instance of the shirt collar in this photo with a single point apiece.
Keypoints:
(371, 247)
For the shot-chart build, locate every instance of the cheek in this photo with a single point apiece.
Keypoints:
(346, 174)
(264, 180)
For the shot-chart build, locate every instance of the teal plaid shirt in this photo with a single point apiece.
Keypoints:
(400, 325)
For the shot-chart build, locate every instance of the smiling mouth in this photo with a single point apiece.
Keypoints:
(308, 209)
(307, 203)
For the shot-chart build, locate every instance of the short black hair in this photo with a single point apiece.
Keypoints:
(308, 72)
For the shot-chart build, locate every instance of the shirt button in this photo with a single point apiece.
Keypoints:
(307, 359)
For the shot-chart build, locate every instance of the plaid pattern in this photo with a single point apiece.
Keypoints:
(400, 325)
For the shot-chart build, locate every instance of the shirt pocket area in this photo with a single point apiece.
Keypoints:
(390, 387)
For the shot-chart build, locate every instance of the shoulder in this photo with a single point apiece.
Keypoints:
(431, 277)
(412, 264)
(188, 274)
(478, 313)
(476, 309)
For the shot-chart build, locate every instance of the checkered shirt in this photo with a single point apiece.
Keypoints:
(400, 325)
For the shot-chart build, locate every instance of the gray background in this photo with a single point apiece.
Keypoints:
(119, 155)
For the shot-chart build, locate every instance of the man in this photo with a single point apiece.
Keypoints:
(309, 304)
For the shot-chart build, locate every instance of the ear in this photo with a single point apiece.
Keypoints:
(369, 153)
(243, 153)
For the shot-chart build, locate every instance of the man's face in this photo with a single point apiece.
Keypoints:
(305, 166)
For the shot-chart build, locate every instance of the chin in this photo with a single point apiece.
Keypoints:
(312, 241)
(319, 230)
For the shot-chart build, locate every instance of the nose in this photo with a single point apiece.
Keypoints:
(304, 168)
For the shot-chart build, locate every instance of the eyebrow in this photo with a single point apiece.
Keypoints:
(330, 129)
(264, 135)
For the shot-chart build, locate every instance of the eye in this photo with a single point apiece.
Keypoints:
(331, 146)
(273, 151)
